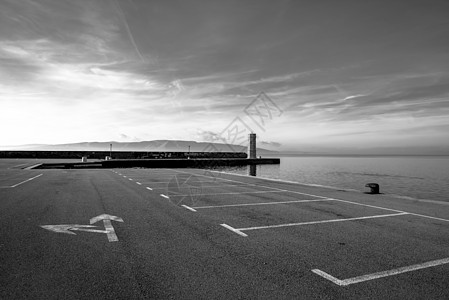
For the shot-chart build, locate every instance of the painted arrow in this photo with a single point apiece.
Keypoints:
(69, 228)
(112, 237)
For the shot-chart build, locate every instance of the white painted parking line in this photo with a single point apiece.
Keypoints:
(233, 193)
(257, 185)
(222, 185)
(188, 207)
(13, 186)
(234, 230)
(262, 203)
(429, 217)
(379, 207)
(377, 275)
(13, 167)
(155, 182)
(317, 196)
(322, 221)
(162, 195)
(158, 176)
(148, 188)
(160, 188)
(372, 206)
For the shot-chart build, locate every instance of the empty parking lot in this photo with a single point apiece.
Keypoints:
(187, 233)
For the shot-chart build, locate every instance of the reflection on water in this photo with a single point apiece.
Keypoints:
(416, 177)
(252, 170)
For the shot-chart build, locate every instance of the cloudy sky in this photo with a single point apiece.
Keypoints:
(357, 74)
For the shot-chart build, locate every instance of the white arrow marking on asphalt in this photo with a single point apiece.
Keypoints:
(109, 229)
(112, 237)
(67, 228)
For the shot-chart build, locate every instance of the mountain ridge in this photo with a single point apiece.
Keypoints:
(154, 145)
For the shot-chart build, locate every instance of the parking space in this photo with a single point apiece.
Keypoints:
(14, 178)
(356, 241)
(357, 252)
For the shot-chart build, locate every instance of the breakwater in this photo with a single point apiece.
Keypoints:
(119, 154)
(160, 163)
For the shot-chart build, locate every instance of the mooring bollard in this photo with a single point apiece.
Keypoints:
(374, 188)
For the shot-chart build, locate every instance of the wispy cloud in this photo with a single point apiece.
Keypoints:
(146, 70)
(128, 30)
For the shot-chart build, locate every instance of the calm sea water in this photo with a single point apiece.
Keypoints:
(421, 177)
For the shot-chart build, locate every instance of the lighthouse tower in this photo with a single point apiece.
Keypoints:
(252, 146)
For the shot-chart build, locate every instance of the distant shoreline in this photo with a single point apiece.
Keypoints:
(7, 154)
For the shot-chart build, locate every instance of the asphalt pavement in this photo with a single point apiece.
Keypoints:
(196, 234)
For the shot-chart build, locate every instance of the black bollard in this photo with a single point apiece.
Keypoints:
(374, 188)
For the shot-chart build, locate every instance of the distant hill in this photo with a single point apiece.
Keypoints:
(156, 145)
(183, 146)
